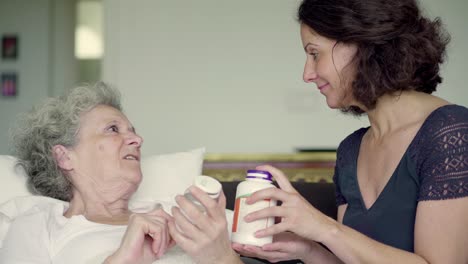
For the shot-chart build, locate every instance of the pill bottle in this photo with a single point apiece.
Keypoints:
(209, 185)
(243, 232)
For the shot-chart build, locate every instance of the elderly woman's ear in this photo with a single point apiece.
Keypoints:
(61, 155)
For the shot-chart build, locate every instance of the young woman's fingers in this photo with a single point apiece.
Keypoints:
(274, 211)
(279, 176)
(240, 248)
(275, 246)
(272, 230)
(268, 255)
(268, 193)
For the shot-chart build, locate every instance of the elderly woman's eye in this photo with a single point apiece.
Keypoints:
(113, 128)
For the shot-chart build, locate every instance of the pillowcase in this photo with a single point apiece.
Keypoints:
(12, 179)
(164, 176)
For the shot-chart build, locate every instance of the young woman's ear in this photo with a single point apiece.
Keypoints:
(62, 157)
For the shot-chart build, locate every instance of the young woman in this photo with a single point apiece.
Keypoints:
(402, 182)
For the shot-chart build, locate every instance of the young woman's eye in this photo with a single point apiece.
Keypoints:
(314, 55)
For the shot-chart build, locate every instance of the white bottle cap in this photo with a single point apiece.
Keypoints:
(209, 185)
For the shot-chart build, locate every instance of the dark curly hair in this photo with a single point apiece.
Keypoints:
(398, 48)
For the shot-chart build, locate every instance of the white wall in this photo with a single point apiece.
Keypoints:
(228, 74)
(45, 63)
(29, 19)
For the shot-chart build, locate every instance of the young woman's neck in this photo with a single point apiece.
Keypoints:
(401, 110)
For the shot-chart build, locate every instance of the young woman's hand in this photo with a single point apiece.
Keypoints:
(146, 238)
(203, 236)
(297, 214)
(285, 246)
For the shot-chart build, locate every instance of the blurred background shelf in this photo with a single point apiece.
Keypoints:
(312, 166)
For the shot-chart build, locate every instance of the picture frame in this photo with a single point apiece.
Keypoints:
(10, 47)
(9, 84)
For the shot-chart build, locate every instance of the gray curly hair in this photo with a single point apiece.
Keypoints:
(55, 122)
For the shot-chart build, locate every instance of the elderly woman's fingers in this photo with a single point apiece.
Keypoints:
(208, 202)
(213, 221)
(185, 225)
(161, 237)
(188, 209)
(178, 236)
(214, 208)
(160, 213)
(152, 226)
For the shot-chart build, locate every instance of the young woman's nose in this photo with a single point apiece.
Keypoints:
(310, 73)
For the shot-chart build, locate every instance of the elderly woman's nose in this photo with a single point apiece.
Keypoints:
(134, 139)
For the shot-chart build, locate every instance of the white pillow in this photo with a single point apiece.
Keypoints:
(164, 176)
(12, 179)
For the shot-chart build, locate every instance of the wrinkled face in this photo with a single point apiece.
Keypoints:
(106, 159)
(329, 66)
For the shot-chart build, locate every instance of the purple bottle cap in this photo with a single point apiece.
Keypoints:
(259, 174)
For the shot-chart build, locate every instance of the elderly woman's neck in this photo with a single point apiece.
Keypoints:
(99, 211)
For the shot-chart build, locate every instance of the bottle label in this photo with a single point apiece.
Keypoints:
(241, 209)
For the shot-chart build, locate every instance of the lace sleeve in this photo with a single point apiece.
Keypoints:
(444, 166)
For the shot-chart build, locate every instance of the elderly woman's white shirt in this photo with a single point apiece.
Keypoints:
(42, 234)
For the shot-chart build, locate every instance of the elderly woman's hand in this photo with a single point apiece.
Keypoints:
(146, 239)
(205, 236)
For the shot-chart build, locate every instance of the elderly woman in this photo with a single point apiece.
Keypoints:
(83, 150)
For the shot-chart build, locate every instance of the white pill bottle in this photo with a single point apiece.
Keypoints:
(209, 185)
(243, 232)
